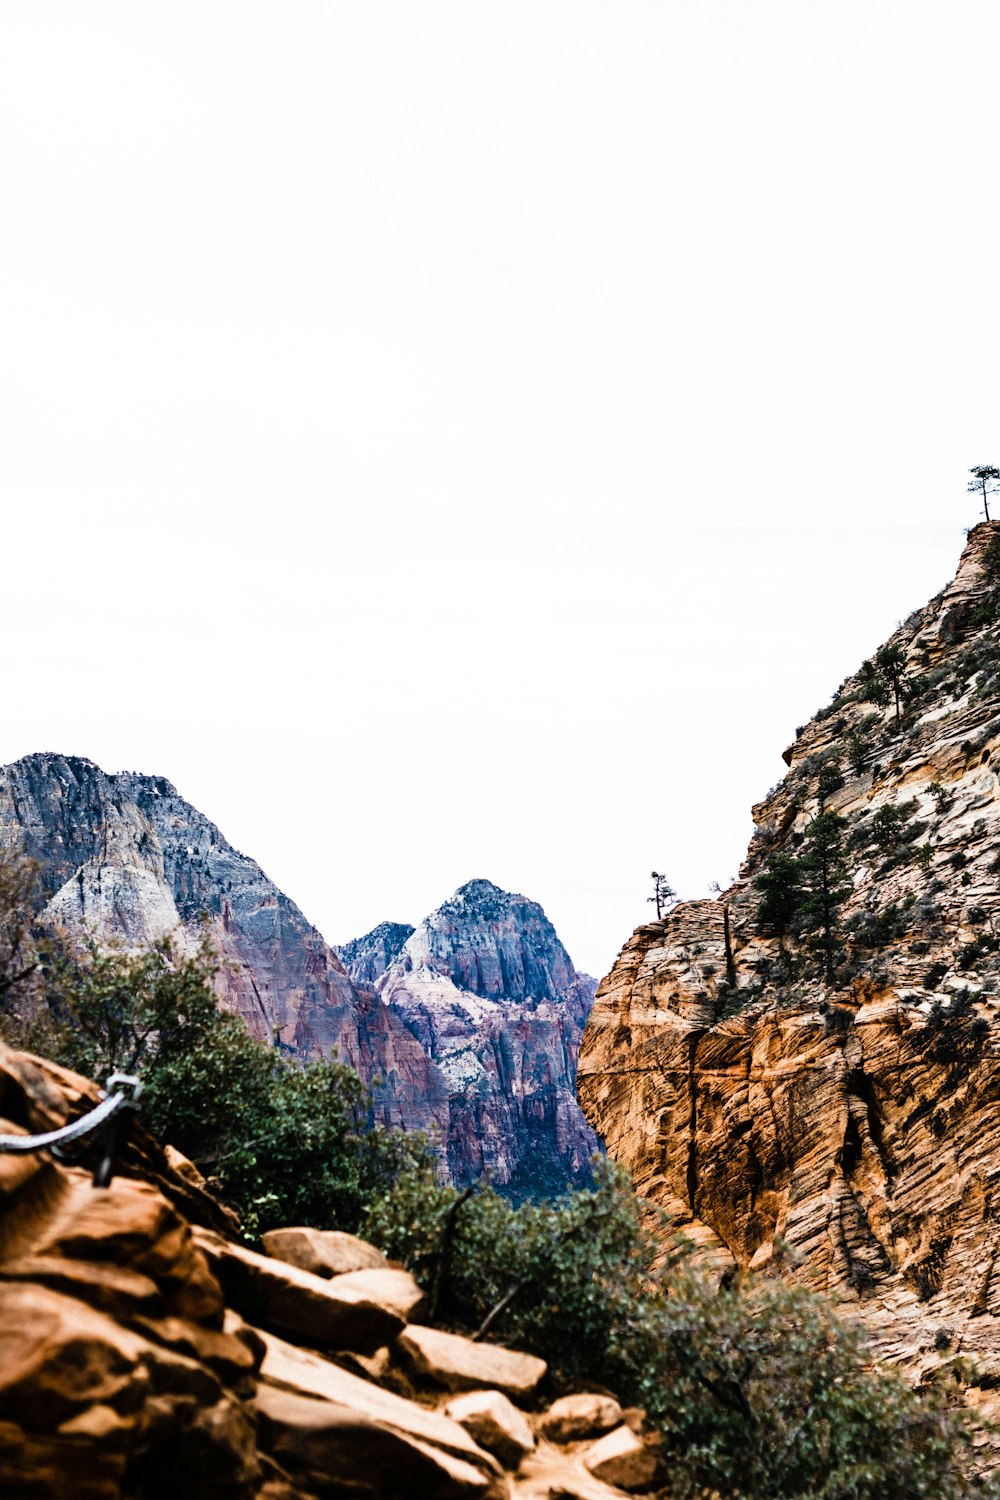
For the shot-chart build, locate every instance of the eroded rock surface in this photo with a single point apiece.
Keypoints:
(853, 1118)
(141, 1356)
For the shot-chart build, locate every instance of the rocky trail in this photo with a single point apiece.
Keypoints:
(145, 1352)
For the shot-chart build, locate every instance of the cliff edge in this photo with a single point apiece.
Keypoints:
(806, 1071)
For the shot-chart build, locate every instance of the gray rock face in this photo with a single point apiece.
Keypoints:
(367, 958)
(126, 857)
(489, 991)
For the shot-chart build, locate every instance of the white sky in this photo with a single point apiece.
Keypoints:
(457, 440)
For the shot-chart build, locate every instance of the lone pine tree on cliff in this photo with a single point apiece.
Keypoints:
(985, 481)
(664, 896)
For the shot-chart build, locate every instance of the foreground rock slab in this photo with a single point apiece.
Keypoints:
(551, 1474)
(395, 1290)
(129, 1369)
(86, 1402)
(338, 1451)
(460, 1364)
(311, 1375)
(581, 1416)
(323, 1313)
(324, 1252)
(621, 1458)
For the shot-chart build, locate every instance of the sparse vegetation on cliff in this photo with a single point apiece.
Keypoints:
(985, 482)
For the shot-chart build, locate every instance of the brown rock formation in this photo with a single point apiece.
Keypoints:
(128, 1371)
(846, 1127)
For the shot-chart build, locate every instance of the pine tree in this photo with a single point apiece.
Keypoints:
(826, 885)
(664, 896)
(882, 679)
(985, 482)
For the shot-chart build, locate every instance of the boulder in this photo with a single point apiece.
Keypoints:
(324, 1252)
(495, 1424)
(338, 1451)
(582, 1416)
(320, 1312)
(621, 1458)
(311, 1375)
(392, 1289)
(460, 1364)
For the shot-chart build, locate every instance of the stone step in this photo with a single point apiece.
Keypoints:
(460, 1364)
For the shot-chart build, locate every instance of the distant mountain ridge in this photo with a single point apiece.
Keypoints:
(126, 857)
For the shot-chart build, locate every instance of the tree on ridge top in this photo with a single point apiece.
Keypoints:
(664, 896)
(985, 482)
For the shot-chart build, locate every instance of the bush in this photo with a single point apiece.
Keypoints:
(561, 1278)
(875, 929)
(760, 1391)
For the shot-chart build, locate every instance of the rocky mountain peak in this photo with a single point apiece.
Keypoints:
(493, 943)
(491, 995)
(367, 958)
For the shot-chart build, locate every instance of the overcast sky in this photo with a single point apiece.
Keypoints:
(456, 440)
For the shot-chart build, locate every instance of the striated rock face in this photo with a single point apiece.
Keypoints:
(487, 989)
(815, 1081)
(145, 1352)
(126, 858)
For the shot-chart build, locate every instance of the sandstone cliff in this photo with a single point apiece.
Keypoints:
(807, 1070)
(490, 993)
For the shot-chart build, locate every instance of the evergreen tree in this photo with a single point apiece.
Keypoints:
(882, 679)
(826, 885)
(664, 896)
(891, 662)
(985, 481)
(780, 887)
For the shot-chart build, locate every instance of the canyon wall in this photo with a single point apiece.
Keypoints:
(806, 1071)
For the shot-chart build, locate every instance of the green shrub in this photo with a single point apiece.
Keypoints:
(761, 1392)
(567, 1275)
